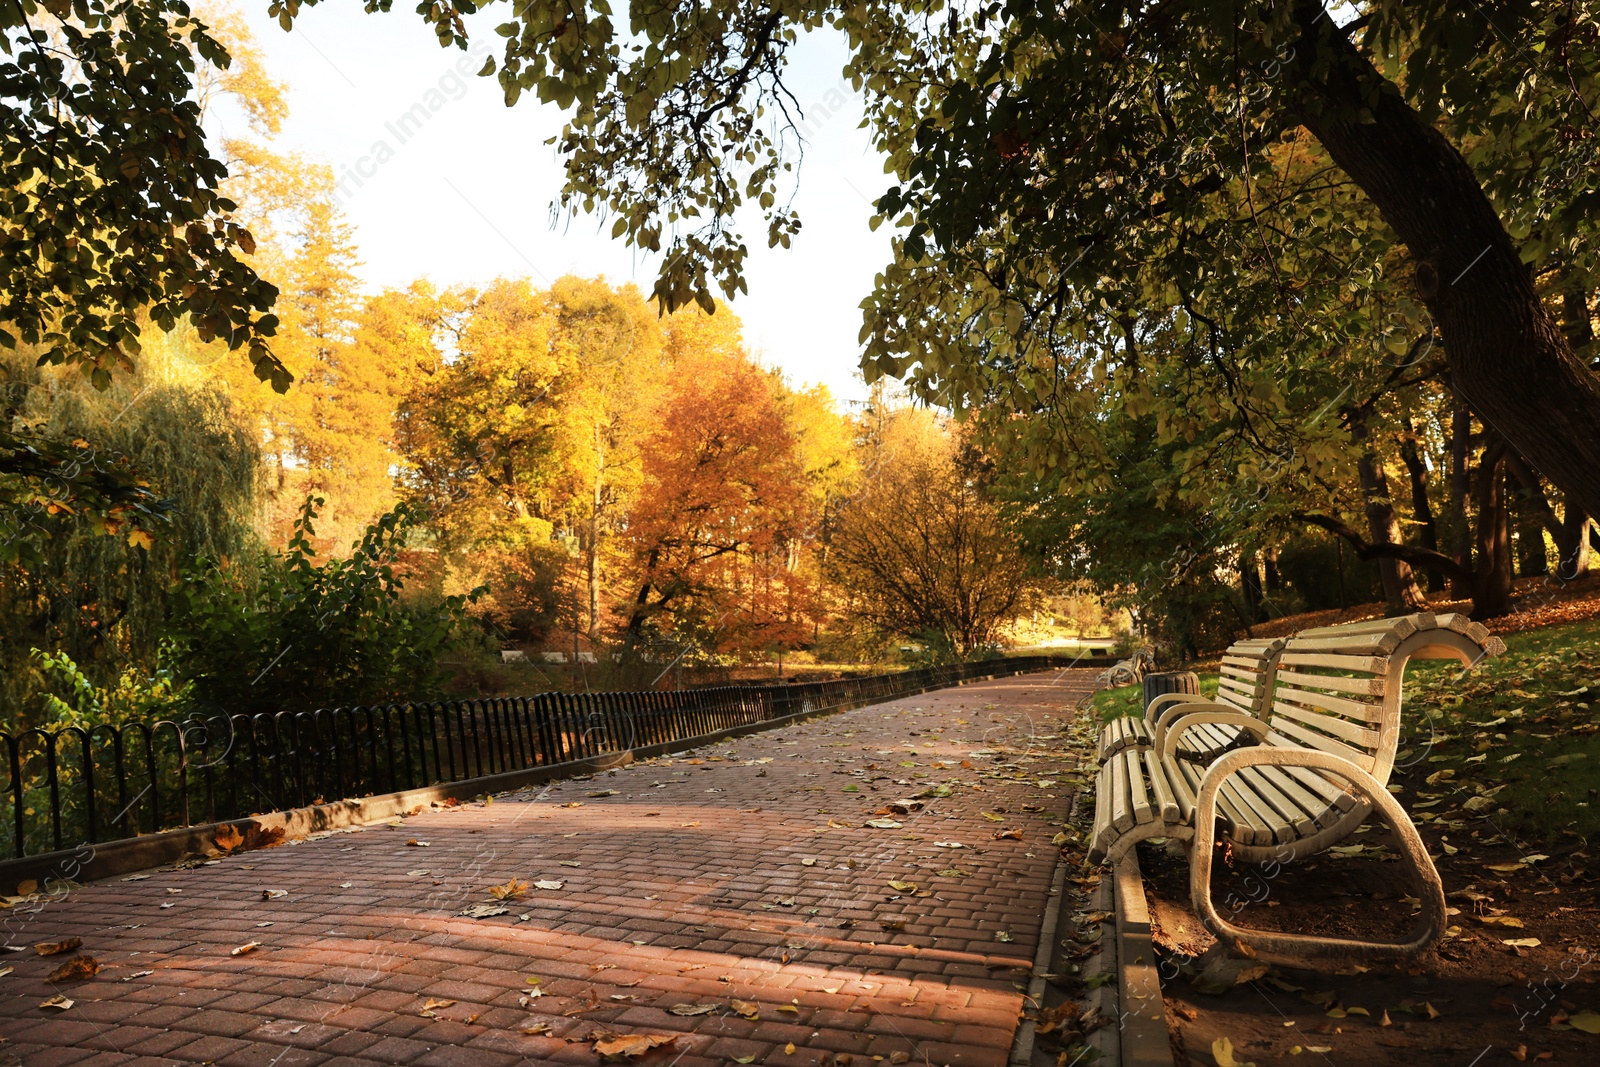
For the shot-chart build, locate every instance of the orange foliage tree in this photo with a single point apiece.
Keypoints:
(726, 506)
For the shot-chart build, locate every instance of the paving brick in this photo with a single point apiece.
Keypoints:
(688, 905)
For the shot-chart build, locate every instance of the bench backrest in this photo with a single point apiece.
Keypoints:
(1248, 670)
(1339, 687)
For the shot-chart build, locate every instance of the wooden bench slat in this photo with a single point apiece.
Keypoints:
(1312, 739)
(1362, 737)
(1321, 703)
(1342, 683)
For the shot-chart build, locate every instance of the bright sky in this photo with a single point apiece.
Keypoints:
(464, 196)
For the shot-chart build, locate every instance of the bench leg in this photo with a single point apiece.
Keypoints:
(1306, 945)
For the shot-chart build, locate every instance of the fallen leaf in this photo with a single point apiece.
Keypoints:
(414, 843)
(620, 1045)
(692, 1009)
(904, 887)
(27, 887)
(483, 911)
(809, 861)
(1225, 972)
(788, 1050)
(1506, 868)
(1587, 1021)
(228, 838)
(993, 817)
(427, 1011)
(536, 1029)
(579, 804)
(77, 969)
(604, 793)
(547, 883)
(882, 824)
(247, 947)
(1523, 942)
(509, 890)
(747, 1008)
(418, 873)
(57, 1003)
(273, 894)
(56, 948)
(138, 974)
(1222, 1051)
(1008, 835)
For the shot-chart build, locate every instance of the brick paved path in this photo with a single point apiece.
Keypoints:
(738, 881)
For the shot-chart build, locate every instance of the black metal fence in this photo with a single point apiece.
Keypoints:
(77, 786)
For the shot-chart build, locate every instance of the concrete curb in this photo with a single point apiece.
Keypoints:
(1142, 1013)
(108, 859)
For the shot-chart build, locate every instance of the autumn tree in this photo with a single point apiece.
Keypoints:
(919, 551)
(723, 512)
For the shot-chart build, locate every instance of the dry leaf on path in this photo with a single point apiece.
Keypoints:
(57, 1003)
(1587, 1021)
(77, 969)
(692, 1009)
(880, 824)
(414, 843)
(547, 883)
(617, 1046)
(483, 911)
(904, 887)
(273, 894)
(248, 946)
(427, 1011)
(137, 974)
(509, 890)
(746, 1008)
(1222, 1051)
(1225, 972)
(228, 838)
(56, 948)
(1523, 942)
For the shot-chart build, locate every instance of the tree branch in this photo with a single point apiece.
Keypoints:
(1417, 557)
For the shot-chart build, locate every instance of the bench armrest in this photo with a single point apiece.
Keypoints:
(1160, 707)
(1171, 729)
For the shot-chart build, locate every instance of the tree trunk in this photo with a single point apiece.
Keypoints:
(1491, 594)
(1533, 516)
(1507, 355)
(1572, 545)
(1460, 492)
(1274, 584)
(1400, 589)
(1250, 587)
(1421, 507)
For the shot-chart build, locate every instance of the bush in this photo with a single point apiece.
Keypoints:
(293, 633)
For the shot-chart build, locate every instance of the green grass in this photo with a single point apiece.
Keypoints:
(1129, 699)
(1540, 766)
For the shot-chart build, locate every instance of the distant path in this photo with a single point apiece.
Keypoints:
(693, 884)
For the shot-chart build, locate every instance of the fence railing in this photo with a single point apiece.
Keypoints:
(86, 785)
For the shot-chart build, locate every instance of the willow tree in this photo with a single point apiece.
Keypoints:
(104, 601)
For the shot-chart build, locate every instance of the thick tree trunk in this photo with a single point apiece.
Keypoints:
(1491, 594)
(1507, 355)
(1400, 589)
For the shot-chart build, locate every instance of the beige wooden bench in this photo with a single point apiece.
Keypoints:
(1244, 685)
(1320, 768)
